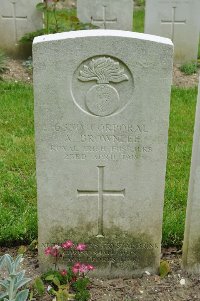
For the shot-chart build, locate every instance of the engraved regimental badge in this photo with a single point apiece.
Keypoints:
(102, 99)
(102, 83)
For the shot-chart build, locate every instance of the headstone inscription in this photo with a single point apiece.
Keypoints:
(191, 245)
(17, 17)
(106, 14)
(101, 123)
(177, 20)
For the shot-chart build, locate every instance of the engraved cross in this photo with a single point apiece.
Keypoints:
(173, 22)
(14, 18)
(104, 21)
(101, 192)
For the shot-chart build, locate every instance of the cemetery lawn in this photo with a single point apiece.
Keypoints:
(138, 20)
(18, 222)
(183, 105)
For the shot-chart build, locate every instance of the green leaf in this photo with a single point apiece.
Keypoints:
(22, 249)
(49, 278)
(62, 295)
(2, 260)
(64, 287)
(71, 296)
(9, 262)
(56, 281)
(28, 37)
(39, 286)
(18, 260)
(53, 278)
(22, 295)
(73, 19)
(41, 6)
(3, 295)
(20, 283)
(31, 295)
(62, 14)
(81, 284)
(164, 268)
(82, 295)
(4, 283)
(34, 244)
(20, 275)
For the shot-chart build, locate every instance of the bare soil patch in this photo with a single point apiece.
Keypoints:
(177, 286)
(186, 81)
(19, 73)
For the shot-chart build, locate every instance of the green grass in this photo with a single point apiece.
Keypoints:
(183, 103)
(139, 2)
(189, 68)
(17, 165)
(18, 223)
(138, 20)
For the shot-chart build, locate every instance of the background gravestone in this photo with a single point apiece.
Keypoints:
(191, 246)
(101, 124)
(17, 17)
(177, 20)
(106, 14)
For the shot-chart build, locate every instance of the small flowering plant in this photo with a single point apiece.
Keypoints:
(59, 251)
(57, 18)
(12, 285)
(71, 282)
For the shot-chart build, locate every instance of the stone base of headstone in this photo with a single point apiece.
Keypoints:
(117, 254)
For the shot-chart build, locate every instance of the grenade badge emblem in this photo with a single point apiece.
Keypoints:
(102, 99)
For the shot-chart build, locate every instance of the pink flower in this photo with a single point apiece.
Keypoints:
(47, 251)
(90, 267)
(76, 267)
(83, 268)
(67, 245)
(55, 250)
(81, 247)
(75, 270)
(63, 272)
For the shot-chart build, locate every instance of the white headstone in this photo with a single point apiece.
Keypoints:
(177, 20)
(106, 14)
(191, 246)
(17, 17)
(101, 122)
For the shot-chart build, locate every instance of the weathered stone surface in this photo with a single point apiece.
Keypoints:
(177, 20)
(101, 123)
(191, 246)
(107, 14)
(17, 17)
